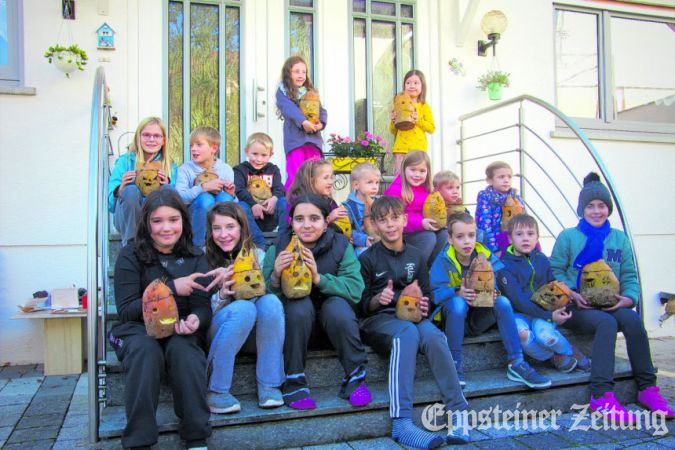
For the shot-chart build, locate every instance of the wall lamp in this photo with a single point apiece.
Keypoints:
(493, 24)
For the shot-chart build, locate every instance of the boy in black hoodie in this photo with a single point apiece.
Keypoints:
(268, 214)
(387, 267)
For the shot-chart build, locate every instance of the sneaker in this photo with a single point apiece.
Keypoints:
(651, 399)
(459, 367)
(269, 397)
(222, 403)
(459, 433)
(583, 363)
(564, 363)
(524, 373)
(360, 396)
(609, 406)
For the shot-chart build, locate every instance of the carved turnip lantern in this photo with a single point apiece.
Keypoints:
(259, 189)
(408, 304)
(296, 279)
(248, 278)
(405, 110)
(147, 178)
(434, 209)
(160, 312)
(511, 208)
(552, 296)
(205, 176)
(599, 285)
(344, 225)
(310, 105)
(481, 278)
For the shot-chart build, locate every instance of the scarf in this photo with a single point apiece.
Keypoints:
(302, 90)
(594, 247)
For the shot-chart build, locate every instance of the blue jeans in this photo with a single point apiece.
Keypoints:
(429, 243)
(128, 209)
(257, 226)
(198, 209)
(456, 311)
(231, 327)
(540, 338)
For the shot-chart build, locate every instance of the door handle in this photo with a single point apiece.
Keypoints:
(259, 101)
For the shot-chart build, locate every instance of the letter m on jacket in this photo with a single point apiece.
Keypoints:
(613, 255)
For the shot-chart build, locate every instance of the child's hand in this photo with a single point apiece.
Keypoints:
(270, 205)
(213, 186)
(581, 302)
(185, 285)
(338, 212)
(561, 315)
(127, 178)
(624, 302)
(393, 115)
(258, 211)
(413, 116)
(284, 259)
(163, 179)
(429, 224)
(370, 241)
(220, 276)
(308, 258)
(387, 294)
(424, 306)
(318, 127)
(228, 186)
(308, 126)
(467, 294)
(187, 326)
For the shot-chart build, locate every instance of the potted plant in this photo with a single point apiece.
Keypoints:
(67, 59)
(494, 82)
(346, 152)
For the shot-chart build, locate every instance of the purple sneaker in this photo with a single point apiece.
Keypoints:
(303, 403)
(361, 396)
(651, 399)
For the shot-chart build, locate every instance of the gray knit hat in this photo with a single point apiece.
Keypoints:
(593, 190)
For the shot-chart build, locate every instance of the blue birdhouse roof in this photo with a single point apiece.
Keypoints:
(105, 27)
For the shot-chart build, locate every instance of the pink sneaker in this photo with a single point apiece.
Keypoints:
(361, 396)
(651, 399)
(609, 406)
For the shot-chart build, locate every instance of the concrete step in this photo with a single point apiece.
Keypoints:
(335, 420)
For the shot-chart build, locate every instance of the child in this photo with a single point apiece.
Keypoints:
(365, 186)
(233, 319)
(593, 239)
(387, 267)
(162, 250)
(124, 198)
(415, 85)
(447, 184)
(336, 288)
(316, 176)
(204, 145)
(302, 138)
(526, 269)
(265, 216)
(413, 185)
(489, 205)
(454, 300)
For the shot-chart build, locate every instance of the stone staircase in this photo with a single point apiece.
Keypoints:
(335, 420)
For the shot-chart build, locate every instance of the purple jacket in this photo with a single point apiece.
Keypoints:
(294, 134)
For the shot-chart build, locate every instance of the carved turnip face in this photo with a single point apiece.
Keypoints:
(147, 178)
(248, 278)
(599, 285)
(511, 208)
(368, 224)
(408, 304)
(670, 306)
(296, 279)
(205, 176)
(310, 105)
(160, 312)
(259, 189)
(434, 208)
(552, 296)
(404, 108)
(481, 278)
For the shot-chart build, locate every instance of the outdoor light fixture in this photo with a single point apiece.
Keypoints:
(493, 24)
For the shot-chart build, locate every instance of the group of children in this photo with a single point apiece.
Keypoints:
(356, 282)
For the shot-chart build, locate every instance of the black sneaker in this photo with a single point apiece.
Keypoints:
(524, 373)
(459, 367)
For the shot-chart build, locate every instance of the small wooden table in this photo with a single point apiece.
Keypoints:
(63, 344)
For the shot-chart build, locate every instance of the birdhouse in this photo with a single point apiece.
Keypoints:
(105, 37)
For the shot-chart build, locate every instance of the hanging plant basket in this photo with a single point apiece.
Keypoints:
(67, 59)
(494, 81)
(495, 91)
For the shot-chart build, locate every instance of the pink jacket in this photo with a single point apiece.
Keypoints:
(414, 208)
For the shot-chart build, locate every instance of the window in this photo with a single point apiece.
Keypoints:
(204, 63)
(301, 32)
(614, 70)
(11, 44)
(382, 52)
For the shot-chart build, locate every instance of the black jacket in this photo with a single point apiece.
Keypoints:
(270, 173)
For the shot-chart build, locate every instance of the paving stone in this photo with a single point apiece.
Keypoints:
(69, 444)
(74, 433)
(654, 445)
(39, 421)
(75, 420)
(33, 434)
(2, 384)
(17, 399)
(60, 380)
(503, 430)
(10, 415)
(501, 444)
(589, 437)
(4, 433)
(627, 434)
(543, 440)
(21, 386)
(339, 446)
(380, 444)
(13, 372)
(44, 444)
(46, 407)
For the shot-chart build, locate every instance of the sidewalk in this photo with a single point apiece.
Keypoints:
(38, 412)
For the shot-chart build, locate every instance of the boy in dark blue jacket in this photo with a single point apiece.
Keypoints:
(526, 269)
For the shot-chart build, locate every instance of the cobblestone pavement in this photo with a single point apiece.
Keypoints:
(50, 412)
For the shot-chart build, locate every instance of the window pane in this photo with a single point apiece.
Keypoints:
(306, 3)
(359, 6)
(4, 45)
(641, 94)
(576, 47)
(406, 11)
(360, 88)
(203, 66)
(302, 38)
(383, 8)
(175, 143)
(232, 86)
(407, 48)
(384, 74)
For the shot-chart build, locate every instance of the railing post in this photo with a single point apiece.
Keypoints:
(521, 147)
(462, 174)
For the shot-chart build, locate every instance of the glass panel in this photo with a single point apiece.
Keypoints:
(384, 75)
(203, 66)
(232, 86)
(302, 39)
(359, 6)
(407, 48)
(175, 143)
(360, 87)
(639, 94)
(407, 11)
(383, 8)
(305, 3)
(4, 44)
(576, 48)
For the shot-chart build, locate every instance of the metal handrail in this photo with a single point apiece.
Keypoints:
(97, 243)
(590, 148)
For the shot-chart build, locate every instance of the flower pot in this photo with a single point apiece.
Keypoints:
(66, 61)
(347, 163)
(495, 91)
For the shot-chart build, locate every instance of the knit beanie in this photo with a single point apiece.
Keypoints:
(593, 190)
